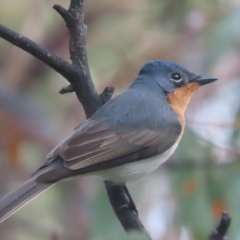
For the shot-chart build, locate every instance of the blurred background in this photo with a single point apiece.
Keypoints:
(186, 196)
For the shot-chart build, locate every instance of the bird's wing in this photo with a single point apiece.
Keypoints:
(95, 144)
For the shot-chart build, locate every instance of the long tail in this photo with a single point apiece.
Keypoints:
(18, 198)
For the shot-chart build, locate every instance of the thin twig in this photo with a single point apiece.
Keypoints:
(67, 89)
(80, 77)
(219, 233)
(64, 14)
(58, 64)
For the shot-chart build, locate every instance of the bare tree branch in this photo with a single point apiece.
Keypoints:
(64, 14)
(221, 229)
(124, 208)
(84, 88)
(57, 63)
(78, 75)
(106, 94)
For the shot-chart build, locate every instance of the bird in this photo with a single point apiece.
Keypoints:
(127, 138)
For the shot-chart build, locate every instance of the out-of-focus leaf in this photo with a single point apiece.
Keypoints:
(192, 203)
(190, 148)
(225, 35)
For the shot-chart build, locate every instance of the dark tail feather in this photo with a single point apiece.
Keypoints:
(18, 198)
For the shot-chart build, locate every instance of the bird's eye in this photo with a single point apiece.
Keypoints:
(176, 77)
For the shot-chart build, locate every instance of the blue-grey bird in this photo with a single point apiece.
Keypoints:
(127, 138)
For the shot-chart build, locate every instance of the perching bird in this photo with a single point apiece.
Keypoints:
(128, 137)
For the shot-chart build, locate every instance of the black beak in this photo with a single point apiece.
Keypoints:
(204, 80)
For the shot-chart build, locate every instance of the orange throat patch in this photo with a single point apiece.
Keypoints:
(180, 98)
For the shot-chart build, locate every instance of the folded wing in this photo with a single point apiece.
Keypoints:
(94, 143)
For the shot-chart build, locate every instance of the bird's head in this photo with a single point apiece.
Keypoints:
(171, 76)
(177, 82)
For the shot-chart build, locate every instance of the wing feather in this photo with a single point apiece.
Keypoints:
(94, 143)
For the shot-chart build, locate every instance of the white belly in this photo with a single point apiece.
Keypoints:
(132, 171)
